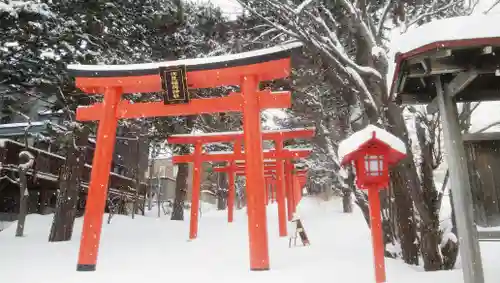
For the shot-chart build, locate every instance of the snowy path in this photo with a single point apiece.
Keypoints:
(148, 249)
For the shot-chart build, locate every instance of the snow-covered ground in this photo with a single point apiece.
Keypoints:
(152, 249)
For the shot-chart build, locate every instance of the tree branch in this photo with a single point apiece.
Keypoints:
(385, 12)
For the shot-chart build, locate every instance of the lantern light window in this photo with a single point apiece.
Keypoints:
(374, 165)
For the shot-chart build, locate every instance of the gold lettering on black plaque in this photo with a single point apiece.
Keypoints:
(174, 83)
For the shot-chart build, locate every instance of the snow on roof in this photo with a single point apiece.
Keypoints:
(188, 62)
(357, 139)
(456, 28)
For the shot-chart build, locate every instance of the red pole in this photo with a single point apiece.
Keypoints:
(195, 192)
(232, 193)
(273, 189)
(99, 177)
(266, 190)
(288, 190)
(297, 194)
(377, 239)
(256, 209)
(280, 191)
(293, 191)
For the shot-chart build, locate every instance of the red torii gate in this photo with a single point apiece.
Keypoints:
(278, 136)
(173, 79)
(198, 157)
(224, 156)
(270, 175)
(293, 192)
(270, 168)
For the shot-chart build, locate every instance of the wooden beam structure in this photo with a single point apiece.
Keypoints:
(440, 74)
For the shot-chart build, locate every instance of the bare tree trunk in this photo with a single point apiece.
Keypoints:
(150, 180)
(347, 200)
(222, 191)
(70, 179)
(429, 230)
(180, 191)
(137, 179)
(404, 219)
(347, 192)
(23, 202)
(158, 195)
(405, 185)
(450, 249)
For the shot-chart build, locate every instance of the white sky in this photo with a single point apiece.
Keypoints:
(231, 8)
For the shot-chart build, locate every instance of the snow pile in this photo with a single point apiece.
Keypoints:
(356, 140)
(457, 28)
(130, 249)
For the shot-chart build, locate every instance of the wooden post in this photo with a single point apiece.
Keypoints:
(470, 253)
(377, 237)
(232, 193)
(195, 192)
(98, 188)
(23, 202)
(257, 226)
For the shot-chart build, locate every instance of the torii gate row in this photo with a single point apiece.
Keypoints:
(270, 176)
(290, 173)
(278, 136)
(197, 158)
(293, 190)
(173, 79)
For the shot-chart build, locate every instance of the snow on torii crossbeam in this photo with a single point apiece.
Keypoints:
(278, 136)
(173, 79)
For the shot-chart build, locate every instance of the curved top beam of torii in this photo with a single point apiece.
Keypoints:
(269, 64)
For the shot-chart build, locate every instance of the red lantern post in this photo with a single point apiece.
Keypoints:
(372, 150)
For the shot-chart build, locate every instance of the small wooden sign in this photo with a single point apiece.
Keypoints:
(174, 83)
(299, 232)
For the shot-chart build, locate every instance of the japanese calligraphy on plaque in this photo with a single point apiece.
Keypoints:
(174, 83)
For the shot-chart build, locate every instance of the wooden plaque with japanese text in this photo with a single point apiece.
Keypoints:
(174, 84)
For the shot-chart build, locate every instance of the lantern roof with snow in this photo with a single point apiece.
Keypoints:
(463, 50)
(355, 146)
